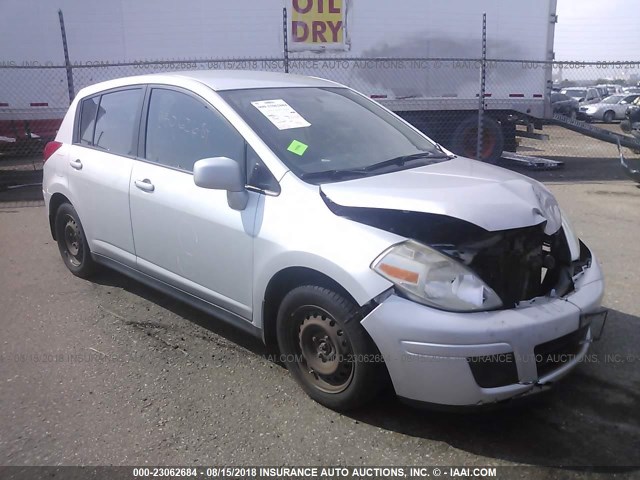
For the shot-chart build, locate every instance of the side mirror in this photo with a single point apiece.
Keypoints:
(222, 173)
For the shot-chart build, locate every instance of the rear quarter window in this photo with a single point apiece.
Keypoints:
(88, 110)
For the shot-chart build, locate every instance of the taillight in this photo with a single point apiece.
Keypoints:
(49, 149)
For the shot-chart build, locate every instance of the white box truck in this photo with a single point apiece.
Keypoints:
(426, 53)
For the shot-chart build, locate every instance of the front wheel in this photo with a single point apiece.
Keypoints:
(327, 350)
(609, 117)
(72, 242)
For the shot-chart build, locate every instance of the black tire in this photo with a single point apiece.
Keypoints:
(509, 135)
(72, 242)
(609, 116)
(327, 350)
(464, 140)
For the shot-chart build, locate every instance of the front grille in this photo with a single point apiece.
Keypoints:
(553, 354)
(494, 370)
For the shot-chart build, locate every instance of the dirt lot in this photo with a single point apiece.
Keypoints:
(110, 372)
(565, 144)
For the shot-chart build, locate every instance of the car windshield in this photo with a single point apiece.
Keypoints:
(613, 99)
(558, 97)
(576, 93)
(329, 134)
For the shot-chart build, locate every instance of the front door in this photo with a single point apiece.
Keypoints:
(185, 235)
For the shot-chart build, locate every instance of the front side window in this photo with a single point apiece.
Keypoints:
(117, 121)
(182, 129)
(323, 133)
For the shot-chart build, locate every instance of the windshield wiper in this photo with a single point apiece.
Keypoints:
(356, 172)
(333, 174)
(402, 160)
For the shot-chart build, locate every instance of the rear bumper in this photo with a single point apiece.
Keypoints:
(443, 357)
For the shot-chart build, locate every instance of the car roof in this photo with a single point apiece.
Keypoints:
(244, 79)
(218, 80)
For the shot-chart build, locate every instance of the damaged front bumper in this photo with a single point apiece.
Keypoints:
(449, 358)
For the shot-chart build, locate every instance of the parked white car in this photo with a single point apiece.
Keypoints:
(308, 215)
(608, 110)
(612, 88)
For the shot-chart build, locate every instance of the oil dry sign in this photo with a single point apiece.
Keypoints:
(317, 25)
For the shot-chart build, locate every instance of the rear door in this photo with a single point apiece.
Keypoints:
(100, 163)
(185, 235)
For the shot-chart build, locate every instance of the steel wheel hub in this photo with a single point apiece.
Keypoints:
(72, 241)
(326, 353)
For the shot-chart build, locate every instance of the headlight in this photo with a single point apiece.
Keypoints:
(572, 239)
(427, 276)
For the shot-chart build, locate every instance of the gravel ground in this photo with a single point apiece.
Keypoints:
(109, 372)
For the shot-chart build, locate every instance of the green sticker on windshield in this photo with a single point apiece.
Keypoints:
(298, 147)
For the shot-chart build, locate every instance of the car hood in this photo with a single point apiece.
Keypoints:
(490, 197)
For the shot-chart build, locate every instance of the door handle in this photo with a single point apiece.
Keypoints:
(145, 185)
(77, 164)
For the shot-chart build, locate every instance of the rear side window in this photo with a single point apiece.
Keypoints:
(117, 121)
(182, 130)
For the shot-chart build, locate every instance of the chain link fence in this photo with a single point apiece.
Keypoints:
(440, 96)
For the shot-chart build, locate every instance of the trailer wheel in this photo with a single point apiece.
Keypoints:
(465, 139)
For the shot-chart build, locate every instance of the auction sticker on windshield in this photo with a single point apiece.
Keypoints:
(298, 147)
(281, 114)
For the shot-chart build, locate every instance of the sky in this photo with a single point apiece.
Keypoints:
(595, 30)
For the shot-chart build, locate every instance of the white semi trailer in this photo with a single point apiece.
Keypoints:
(336, 38)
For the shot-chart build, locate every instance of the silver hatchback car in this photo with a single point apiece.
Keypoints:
(310, 216)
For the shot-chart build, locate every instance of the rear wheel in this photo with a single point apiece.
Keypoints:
(327, 350)
(72, 242)
(465, 139)
(609, 116)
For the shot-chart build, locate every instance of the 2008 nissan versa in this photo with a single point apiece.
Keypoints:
(306, 214)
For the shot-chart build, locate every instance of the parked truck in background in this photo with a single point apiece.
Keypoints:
(417, 57)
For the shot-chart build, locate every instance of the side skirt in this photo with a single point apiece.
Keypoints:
(196, 302)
